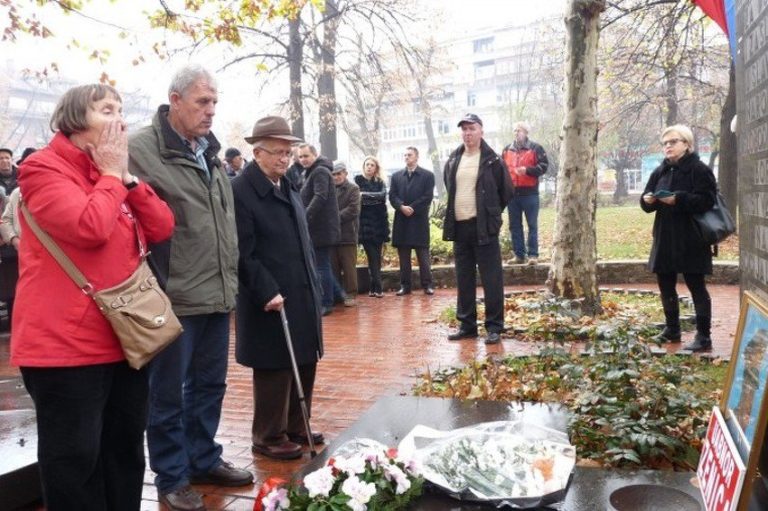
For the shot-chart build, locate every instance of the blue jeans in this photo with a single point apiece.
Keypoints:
(528, 205)
(186, 389)
(325, 273)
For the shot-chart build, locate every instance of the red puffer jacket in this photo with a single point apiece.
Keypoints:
(89, 217)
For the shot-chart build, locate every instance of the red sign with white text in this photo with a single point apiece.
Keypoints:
(721, 471)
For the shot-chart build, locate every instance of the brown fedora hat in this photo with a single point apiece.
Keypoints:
(271, 127)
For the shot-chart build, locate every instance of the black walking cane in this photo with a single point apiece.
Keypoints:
(299, 387)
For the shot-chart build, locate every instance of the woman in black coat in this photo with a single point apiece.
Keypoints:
(677, 189)
(374, 223)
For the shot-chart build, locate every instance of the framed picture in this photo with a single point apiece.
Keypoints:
(745, 404)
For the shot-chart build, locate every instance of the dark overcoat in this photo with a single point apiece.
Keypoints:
(374, 222)
(417, 192)
(677, 247)
(276, 256)
(318, 193)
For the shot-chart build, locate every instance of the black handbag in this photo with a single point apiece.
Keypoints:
(715, 225)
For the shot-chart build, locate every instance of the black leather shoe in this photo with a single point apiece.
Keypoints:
(493, 338)
(301, 438)
(669, 335)
(225, 474)
(700, 343)
(429, 291)
(402, 292)
(182, 499)
(462, 334)
(284, 451)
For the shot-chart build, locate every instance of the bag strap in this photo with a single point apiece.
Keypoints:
(64, 261)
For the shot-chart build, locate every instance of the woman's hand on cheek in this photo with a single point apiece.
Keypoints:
(111, 152)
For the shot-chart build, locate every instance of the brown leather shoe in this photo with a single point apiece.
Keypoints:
(301, 438)
(284, 451)
(183, 499)
(225, 474)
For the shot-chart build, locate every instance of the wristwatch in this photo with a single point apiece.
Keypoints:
(133, 183)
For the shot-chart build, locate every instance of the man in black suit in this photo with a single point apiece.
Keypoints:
(410, 193)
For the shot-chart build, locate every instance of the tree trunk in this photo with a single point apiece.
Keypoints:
(295, 57)
(572, 273)
(621, 186)
(326, 83)
(429, 130)
(727, 174)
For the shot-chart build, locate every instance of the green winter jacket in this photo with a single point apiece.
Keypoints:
(198, 265)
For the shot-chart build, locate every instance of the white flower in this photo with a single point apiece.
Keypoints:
(276, 500)
(352, 465)
(359, 491)
(320, 482)
(393, 473)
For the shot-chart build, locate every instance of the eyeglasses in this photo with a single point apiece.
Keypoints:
(279, 154)
(670, 142)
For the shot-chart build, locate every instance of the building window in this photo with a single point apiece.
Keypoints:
(484, 69)
(471, 99)
(483, 45)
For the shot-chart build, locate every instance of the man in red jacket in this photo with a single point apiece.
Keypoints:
(526, 161)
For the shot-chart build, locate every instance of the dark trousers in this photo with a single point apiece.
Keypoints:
(344, 264)
(187, 384)
(469, 256)
(324, 272)
(276, 405)
(527, 205)
(702, 303)
(373, 254)
(90, 427)
(425, 269)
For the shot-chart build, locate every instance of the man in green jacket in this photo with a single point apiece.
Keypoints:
(177, 155)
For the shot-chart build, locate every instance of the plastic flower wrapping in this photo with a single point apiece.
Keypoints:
(362, 475)
(511, 464)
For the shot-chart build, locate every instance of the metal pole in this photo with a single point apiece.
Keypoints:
(299, 387)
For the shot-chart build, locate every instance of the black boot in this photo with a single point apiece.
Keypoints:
(702, 341)
(671, 332)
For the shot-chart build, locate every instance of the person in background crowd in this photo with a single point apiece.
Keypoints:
(479, 187)
(176, 154)
(10, 228)
(91, 406)
(295, 172)
(526, 161)
(276, 271)
(374, 224)
(410, 192)
(24, 154)
(344, 255)
(9, 259)
(234, 162)
(676, 246)
(319, 196)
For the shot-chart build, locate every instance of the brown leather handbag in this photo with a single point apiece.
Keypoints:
(137, 308)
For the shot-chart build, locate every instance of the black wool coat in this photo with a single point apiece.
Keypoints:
(374, 221)
(318, 193)
(677, 247)
(417, 192)
(276, 256)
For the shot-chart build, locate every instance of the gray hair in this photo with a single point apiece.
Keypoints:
(522, 125)
(684, 131)
(187, 76)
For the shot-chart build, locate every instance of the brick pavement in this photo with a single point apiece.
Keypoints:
(372, 350)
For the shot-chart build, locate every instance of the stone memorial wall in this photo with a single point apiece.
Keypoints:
(752, 109)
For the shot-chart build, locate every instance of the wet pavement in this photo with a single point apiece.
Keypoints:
(373, 350)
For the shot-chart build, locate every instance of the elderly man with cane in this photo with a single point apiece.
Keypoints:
(277, 277)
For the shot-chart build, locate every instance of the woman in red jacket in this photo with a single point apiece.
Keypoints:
(91, 407)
